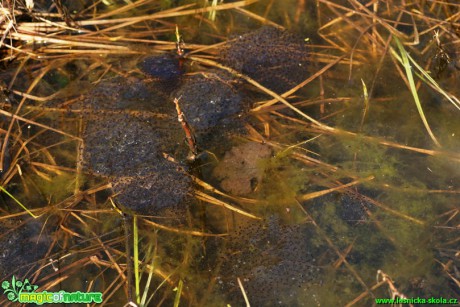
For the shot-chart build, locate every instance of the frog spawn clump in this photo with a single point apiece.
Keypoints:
(23, 248)
(161, 192)
(128, 146)
(275, 58)
(275, 263)
(209, 101)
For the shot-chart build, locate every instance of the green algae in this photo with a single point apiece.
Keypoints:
(58, 187)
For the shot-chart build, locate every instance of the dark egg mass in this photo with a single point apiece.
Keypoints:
(165, 67)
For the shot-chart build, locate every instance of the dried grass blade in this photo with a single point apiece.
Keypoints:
(212, 200)
(209, 187)
(300, 85)
(38, 124)
(181, 231)
(324, 192)
(264, 89)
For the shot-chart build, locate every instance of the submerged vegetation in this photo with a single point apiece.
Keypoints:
(300, 166)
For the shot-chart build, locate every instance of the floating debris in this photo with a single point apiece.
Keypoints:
(189, 135)
(240, 170)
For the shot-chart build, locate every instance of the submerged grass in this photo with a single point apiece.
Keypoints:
(404, 59)
(18, 202)
(136, 259)
(178, 291)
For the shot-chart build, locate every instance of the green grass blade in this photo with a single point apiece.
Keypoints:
(136, 259)
(158, 288)
(425, 77)
(18, 202)
(178, 293)
(429, 80)
(366, 103)
(149, 277)
(410, 77)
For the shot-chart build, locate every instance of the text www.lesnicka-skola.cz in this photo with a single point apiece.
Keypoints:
(417, 300)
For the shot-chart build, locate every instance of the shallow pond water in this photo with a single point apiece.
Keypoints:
(336, 195)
